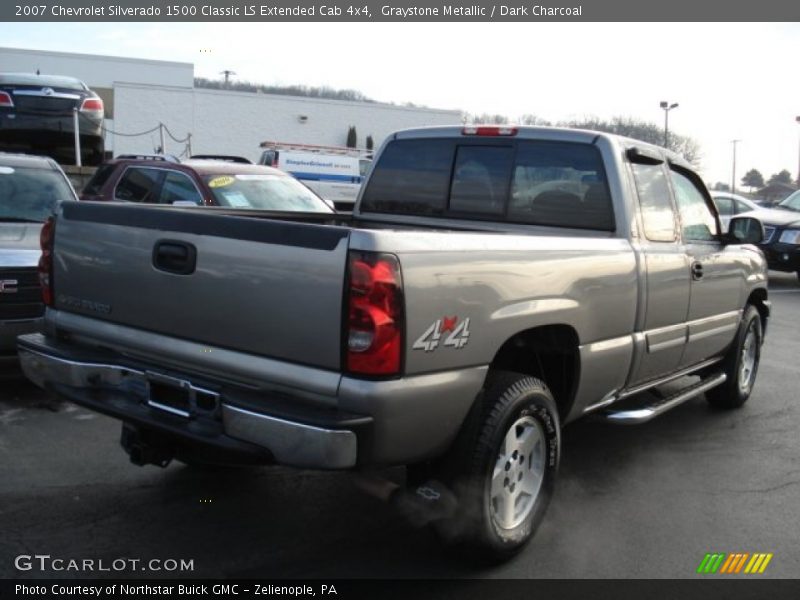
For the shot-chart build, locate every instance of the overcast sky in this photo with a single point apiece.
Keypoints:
(733, 81)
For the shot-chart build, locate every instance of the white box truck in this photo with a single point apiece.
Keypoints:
(333, 172)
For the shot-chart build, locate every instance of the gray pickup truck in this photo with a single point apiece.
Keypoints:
(492, 284)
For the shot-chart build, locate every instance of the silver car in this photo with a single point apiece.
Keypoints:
(729, 204)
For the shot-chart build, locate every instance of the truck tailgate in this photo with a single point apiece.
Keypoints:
(267, 287)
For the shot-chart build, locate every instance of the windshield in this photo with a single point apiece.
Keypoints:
(792, 202)
(265, 192)
(30, 194)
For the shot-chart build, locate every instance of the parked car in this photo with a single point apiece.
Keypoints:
(226, 181)
(31, 189)
(729, 204)
(36, 115)
(781, 244)
(463, 313)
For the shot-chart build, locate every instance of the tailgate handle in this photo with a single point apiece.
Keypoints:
(174, 256)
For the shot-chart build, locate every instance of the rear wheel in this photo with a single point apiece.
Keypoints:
(740, 363)
(505, 480)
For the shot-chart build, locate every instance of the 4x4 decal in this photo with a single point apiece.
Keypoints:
(458, 334)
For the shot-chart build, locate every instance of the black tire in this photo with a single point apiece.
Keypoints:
(482, 523)
(740, 363)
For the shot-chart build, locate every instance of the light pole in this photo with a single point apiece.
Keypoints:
(667, 107)
(733, 174)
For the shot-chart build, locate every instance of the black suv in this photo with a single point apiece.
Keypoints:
(37, 115)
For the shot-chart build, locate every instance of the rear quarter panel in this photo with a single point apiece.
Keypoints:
(507, 284)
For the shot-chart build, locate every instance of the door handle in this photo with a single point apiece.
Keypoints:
(174, 256)
(697, 271)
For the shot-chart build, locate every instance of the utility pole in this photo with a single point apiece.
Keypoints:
(227, 74)
(733, 174)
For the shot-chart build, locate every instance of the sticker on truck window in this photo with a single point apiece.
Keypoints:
(221, 181)
(457, 334)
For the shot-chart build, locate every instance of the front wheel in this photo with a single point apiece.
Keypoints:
(507, 477)
(740, 363)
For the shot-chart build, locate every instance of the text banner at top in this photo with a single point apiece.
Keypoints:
(398, 11)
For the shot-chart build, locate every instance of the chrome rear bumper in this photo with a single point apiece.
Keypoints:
(100, 386)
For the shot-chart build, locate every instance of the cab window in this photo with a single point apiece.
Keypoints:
(697, 220)
(657, 214)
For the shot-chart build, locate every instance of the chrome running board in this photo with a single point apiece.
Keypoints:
(646, 412)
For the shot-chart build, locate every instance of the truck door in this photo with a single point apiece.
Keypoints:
(661, 325)
(716, 271)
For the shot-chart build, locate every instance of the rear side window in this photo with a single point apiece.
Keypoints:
(520, 181)
(98, 180)
(138, 185)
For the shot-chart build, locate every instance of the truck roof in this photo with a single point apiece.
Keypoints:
(564, 134)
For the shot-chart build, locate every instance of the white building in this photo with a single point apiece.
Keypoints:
(141, 94)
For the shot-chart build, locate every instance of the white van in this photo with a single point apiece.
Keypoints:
(333, 172)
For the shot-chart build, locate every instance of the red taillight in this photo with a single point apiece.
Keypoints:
(489, 130)
(46, 240)
(374, 329)
(92, 105)
(5, 100)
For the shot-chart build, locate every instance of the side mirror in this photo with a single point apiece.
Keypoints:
(745, 230)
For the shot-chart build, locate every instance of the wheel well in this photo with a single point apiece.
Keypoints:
(549, 353)
(758, 298)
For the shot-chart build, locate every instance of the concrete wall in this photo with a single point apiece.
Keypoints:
(97, 71)
(224, 122)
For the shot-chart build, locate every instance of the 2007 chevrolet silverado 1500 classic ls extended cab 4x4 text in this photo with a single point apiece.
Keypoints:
(492, 285)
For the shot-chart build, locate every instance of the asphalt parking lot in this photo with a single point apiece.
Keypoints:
(646, 501)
